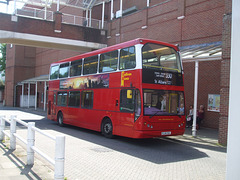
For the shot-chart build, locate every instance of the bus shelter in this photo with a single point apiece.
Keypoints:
(42, 79)
(196, 54)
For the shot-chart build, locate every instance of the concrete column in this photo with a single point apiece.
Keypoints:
(233, 145)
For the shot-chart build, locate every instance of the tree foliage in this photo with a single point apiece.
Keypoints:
(3, 58)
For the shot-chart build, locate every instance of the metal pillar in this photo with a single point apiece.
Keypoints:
(15, 7)
(103, 10)
(36, 96)
(90, 18)
(22, 93)
(233, 146)
(194, 129)
(45, 89)
(58, 5)
(147, 3)
(112, 14)
(121, 7)
(29, 89)
(87, 17)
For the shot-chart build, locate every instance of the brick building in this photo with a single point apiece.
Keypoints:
(189, 23)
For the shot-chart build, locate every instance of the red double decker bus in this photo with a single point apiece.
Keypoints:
(133, 89)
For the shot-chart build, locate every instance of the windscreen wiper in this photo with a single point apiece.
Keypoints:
(155, 114)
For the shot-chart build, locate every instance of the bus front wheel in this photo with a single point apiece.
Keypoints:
(60, 119)
(107, 128)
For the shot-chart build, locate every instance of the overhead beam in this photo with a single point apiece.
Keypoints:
(47, 41)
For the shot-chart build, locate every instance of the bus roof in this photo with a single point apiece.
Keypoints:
(115, 47)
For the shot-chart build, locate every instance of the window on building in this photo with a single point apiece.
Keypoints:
(90, 65)
(87, 99)
(126, 100)
(108, 61)
(62, 99)
(127, 58)
(63, 70)
(76, 68)
(54, 72)
(74, 99)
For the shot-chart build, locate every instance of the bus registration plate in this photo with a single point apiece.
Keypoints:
(166, 133)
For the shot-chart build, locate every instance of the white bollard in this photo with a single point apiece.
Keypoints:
(30, 143)
(59, 158)
(2, 127)
(12, 131)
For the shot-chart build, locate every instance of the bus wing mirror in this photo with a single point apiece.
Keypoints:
(129, 94)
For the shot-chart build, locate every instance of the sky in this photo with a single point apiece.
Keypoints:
(3, 7)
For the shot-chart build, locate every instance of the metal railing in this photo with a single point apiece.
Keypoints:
(81, 21)
(66, 18)
(35, 13)
(58, 162)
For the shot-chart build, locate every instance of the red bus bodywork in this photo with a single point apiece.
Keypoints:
(106, 102)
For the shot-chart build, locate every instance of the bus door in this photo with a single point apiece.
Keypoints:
(54, 104)
(130, 108)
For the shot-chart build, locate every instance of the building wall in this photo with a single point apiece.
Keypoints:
(202, 23)
(225, 72)
(208, 83)
(20, 65)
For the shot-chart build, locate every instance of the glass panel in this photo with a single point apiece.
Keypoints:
(63, 70)
(76, 68)
(157, 56)
(54, 72)
(126, 102)
(62, 99)
(87, 99)
(160, 102)
(108, 61)
(137, 104)
(74, 99)
(90, 65)
(127, 58)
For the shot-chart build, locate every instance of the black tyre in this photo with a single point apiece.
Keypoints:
(107, 128)
(60, 119)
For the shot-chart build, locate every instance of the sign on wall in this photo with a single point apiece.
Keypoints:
(214, 102)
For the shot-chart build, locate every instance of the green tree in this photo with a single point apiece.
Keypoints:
(3, 58)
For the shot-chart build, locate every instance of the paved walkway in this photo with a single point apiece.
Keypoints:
(95, 157)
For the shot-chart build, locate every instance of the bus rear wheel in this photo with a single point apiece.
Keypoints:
(60, 119)
(107, 128)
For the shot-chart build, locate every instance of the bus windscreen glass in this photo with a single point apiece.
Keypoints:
(157, 56)
(163, 102)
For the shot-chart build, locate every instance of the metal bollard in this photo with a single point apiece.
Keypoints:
(30, 143)
(2, 127)
(59, 158)
(12, 131)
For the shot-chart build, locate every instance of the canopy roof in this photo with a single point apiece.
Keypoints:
(206, 51)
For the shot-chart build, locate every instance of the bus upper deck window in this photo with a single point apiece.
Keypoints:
(127, 58)
(54, 72)
(90, 65)
(63, 70)
(108, 61)
(76, 68)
